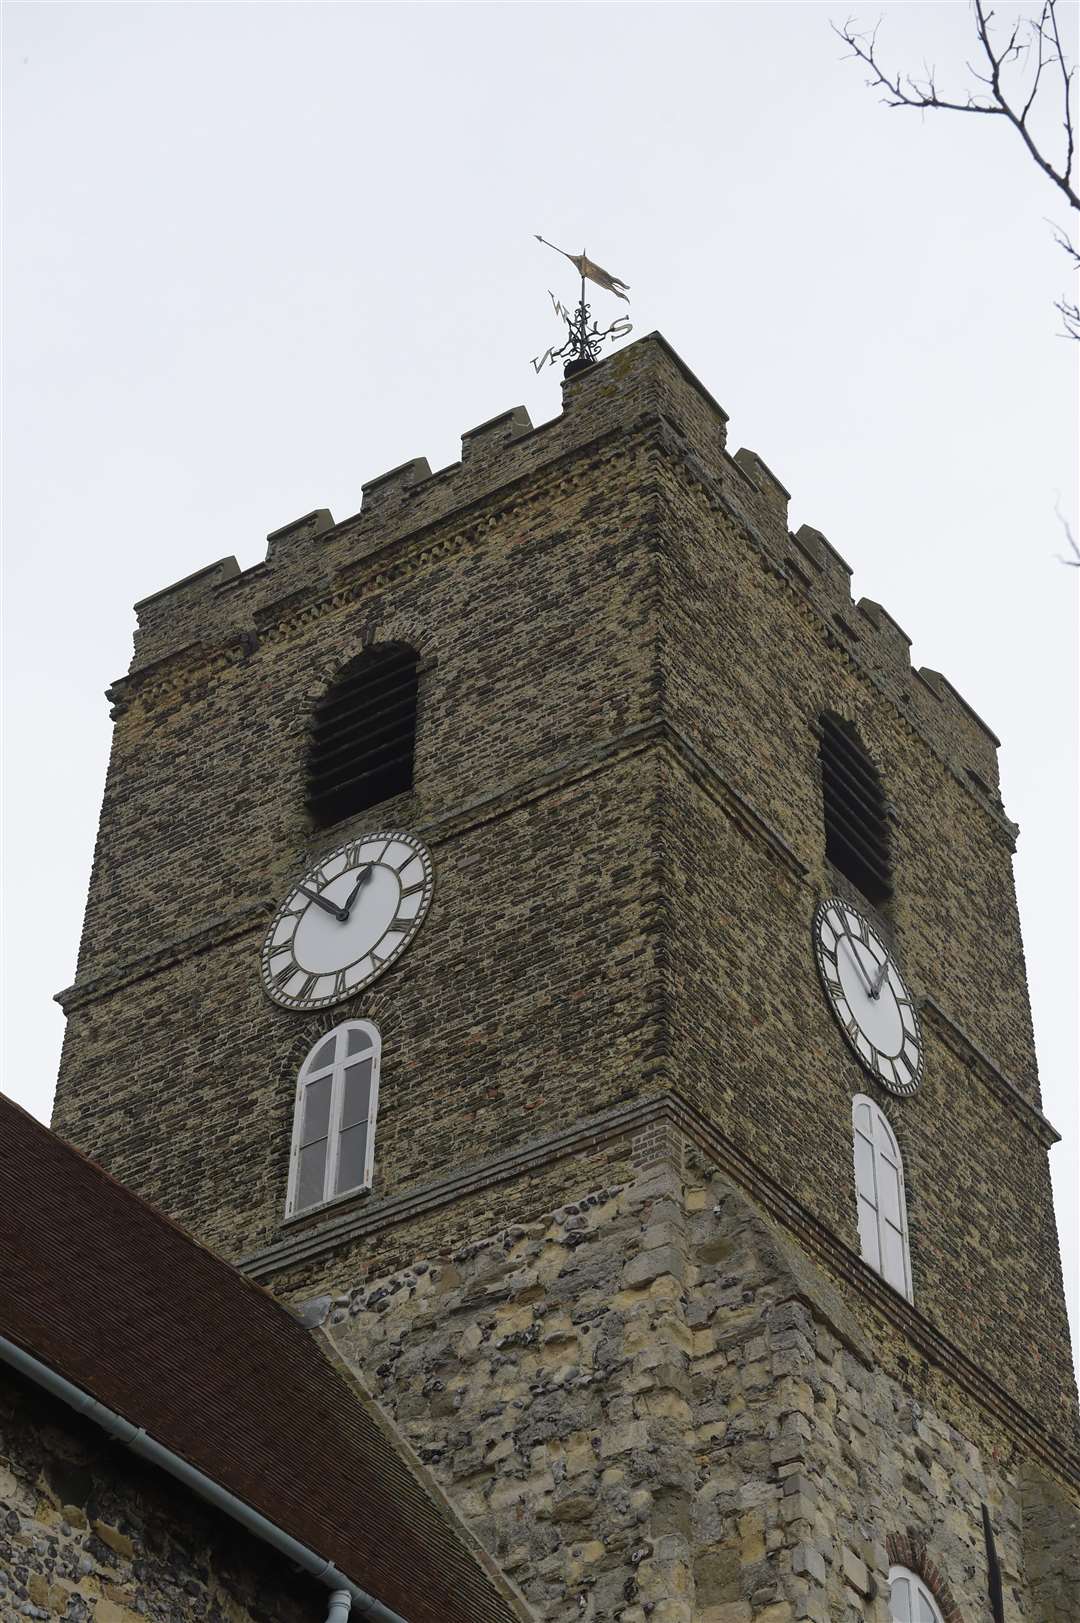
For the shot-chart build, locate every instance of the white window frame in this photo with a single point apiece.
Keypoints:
(336, 1070)
(917, 1591)
(885, 1159)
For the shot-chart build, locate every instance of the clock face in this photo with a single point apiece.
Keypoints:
(867, 994)
(347, 920)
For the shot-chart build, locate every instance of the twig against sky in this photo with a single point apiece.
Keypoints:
(1033, 47)
(1074, 561)
(1017, 74)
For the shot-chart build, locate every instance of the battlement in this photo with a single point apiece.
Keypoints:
(644, 386)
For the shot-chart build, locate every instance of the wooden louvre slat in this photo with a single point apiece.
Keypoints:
(366, 728)
(856, 833)
(843, 753)
(362, 735)
(380, 689)
(843, 789)
(860, 841)
(350, 768)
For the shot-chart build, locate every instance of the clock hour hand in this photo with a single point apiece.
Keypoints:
(327, 907)
(354, 893)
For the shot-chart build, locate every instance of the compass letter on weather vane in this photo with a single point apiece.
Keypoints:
(584, 337)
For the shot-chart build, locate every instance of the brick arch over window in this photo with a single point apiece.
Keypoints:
(855, 810)
(909, 1550)
(363, 733)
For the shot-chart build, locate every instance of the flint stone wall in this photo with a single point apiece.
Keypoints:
(88, 1534)
(652, 1409)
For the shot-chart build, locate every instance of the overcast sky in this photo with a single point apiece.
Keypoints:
(256, 255)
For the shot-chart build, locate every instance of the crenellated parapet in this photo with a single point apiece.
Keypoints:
(643, 388)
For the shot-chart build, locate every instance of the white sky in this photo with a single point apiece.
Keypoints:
(257, 254)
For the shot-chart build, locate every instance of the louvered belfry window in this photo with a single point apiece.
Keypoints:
(362, 734)
(856, 830)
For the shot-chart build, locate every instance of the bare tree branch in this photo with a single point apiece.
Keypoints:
(1068, 309)
(1074, 561)
(1034, 43)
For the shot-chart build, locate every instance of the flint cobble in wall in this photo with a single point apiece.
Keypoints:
(648, 1407)
(88, 1535)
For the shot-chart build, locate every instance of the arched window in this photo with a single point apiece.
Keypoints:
(337, 1096)
(909, 1599)
(856, 830)
(879, 1191)
(362, 734)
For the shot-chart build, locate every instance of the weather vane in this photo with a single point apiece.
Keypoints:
(584, 338)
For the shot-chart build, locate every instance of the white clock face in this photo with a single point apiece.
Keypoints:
(867, 994)
(347, 920)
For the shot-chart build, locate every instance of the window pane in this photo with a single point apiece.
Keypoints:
(311, 1175)
(316, 1110)
(893, 1268)
(868, 1235)
(357, 1093)
(359, 1041)
(325, 1055)
(352, 1151)
(864, 1167)
(889, 1192)
(900, 1600)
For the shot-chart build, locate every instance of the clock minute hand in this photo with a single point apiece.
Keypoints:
(853, 955)
(321, 901)
(879, 982)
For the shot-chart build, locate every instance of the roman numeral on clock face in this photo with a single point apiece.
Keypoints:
(315, 952)
(880, 1009)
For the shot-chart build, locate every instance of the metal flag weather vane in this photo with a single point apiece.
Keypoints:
(584, 339)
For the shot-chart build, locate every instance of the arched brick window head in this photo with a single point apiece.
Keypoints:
(362, 735)
(918, 1592)
(856, 829)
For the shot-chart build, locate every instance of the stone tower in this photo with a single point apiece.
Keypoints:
(612, 1270)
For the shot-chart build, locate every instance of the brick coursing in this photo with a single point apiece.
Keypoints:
(624, 655)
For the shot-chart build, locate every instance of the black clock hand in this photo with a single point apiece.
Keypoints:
(875, 990)
(857, 961)
(356, 889)
(327, 907)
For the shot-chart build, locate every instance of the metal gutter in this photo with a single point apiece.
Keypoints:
(135, 1438)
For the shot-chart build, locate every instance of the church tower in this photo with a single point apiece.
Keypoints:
(547, 933)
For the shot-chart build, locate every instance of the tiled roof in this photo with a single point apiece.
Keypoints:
(122, 1302)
